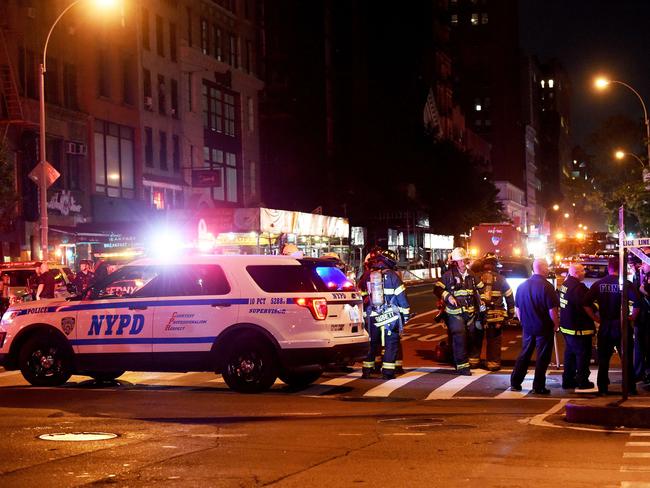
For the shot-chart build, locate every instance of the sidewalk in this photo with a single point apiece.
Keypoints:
(610, 411)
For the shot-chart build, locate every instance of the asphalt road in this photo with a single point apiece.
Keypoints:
(426, 428)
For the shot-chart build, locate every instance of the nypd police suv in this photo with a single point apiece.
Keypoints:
(251, 318)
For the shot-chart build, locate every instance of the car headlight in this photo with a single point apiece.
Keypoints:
(8, 317)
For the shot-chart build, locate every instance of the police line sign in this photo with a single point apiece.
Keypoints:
(640, 242)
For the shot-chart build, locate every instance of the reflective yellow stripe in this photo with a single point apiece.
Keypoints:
(461, 366)
(577, 332)
(400, 289)
(445, 294)
(496, 293)
(463, 293)
(368, 364)
(405, 311)
(389, 291)
(399, 362)
(440, 284)
(388, 366)
(454, 311)
(508, 292)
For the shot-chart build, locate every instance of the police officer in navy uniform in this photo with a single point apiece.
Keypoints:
(386, 310)
(606, 294)
(460, 290)
(536, 305)
(577, 327)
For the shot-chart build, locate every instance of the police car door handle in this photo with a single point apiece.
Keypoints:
(138, 307)
(219, 305)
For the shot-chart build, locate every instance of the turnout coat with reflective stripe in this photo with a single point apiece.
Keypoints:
(466, 290)
(495, 290)
(394, 293)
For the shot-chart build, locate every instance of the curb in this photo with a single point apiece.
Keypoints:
(610, 413)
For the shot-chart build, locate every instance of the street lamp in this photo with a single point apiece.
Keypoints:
(556, 207)
(601, 83)
(566, 215)
(43, 166)
(620, 155)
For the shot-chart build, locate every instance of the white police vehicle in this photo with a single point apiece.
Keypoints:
(251, 318)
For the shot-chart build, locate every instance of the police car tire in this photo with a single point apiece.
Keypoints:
(104, 376)
(38, 345)
(299, 379)
(250, 366)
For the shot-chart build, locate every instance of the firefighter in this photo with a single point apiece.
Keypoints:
(386, 309)
(460, 290)
(495, 291)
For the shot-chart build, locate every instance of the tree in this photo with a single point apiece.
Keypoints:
(616, 183)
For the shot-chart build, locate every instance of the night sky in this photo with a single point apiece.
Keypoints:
(588, 37)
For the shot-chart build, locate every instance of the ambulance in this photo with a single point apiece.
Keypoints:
(251, 318)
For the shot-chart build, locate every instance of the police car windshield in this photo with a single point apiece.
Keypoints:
(126, 281)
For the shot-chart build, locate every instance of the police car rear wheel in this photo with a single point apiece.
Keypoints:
(250, 367)
(45, 360)
(300, 379)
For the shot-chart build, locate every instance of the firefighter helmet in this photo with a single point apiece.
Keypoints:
(491, 259)
(331, 256)
(459, 254)
(387, 257)
(292, 250)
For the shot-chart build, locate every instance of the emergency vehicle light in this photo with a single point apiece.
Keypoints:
(317, 306)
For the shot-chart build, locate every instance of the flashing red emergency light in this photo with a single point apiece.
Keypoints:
(317, 306)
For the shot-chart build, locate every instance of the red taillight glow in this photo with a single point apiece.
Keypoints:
(317, 306)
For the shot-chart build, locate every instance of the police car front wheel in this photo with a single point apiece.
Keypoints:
(45, 360)
(250, 366)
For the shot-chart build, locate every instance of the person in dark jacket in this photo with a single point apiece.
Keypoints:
(578, 329)
(606, 293)
(536, 305)
(84, 278)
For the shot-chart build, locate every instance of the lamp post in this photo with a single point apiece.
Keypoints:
(42, 178)
(620, 155)
(602, 83)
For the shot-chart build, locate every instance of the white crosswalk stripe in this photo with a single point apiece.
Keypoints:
(424, 383)
(450, 388)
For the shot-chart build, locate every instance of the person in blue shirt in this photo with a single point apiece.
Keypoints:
(536, 305)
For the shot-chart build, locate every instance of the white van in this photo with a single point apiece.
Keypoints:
(251, 318)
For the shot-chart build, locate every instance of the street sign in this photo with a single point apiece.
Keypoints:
(206, 178)
(51, 174)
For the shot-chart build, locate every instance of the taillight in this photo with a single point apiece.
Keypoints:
(317, 306)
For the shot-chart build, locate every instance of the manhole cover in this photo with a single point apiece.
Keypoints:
(78, 436)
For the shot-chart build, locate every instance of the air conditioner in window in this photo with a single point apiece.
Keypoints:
(76, 148)
(148, 102)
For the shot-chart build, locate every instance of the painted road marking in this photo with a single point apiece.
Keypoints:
(390, 386)
(504, 348)
(450, 388)
(526, 386)
(637, 444)
(635, 469)
(636, 454)
(640, 434)
(635, 484)
(8, 373)
(321, 388)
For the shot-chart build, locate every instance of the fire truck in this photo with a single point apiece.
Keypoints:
(503, 239)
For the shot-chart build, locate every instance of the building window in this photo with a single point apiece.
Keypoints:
(252, 178)
(162, 152)
(114, 158)
(219, 110)
(146, 84)
(27, 69)
(551, 83)
(128, 82)
(232, 50)
(162, 98)
(172, 42)
(251, 115)
(145, 29)
(204, 36)
(225, 164)
(249, 57)
(103, 73)
(158, 198)
(74, 167)
(216, 34)
(454, 19)
(190, 98)
(543, 83)
(474, 19)
(189, 27)
(148, 147)
(52, 82)
(174, 100)
(176, 154)
(484, 18)
(70, 86)
(160, 36)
